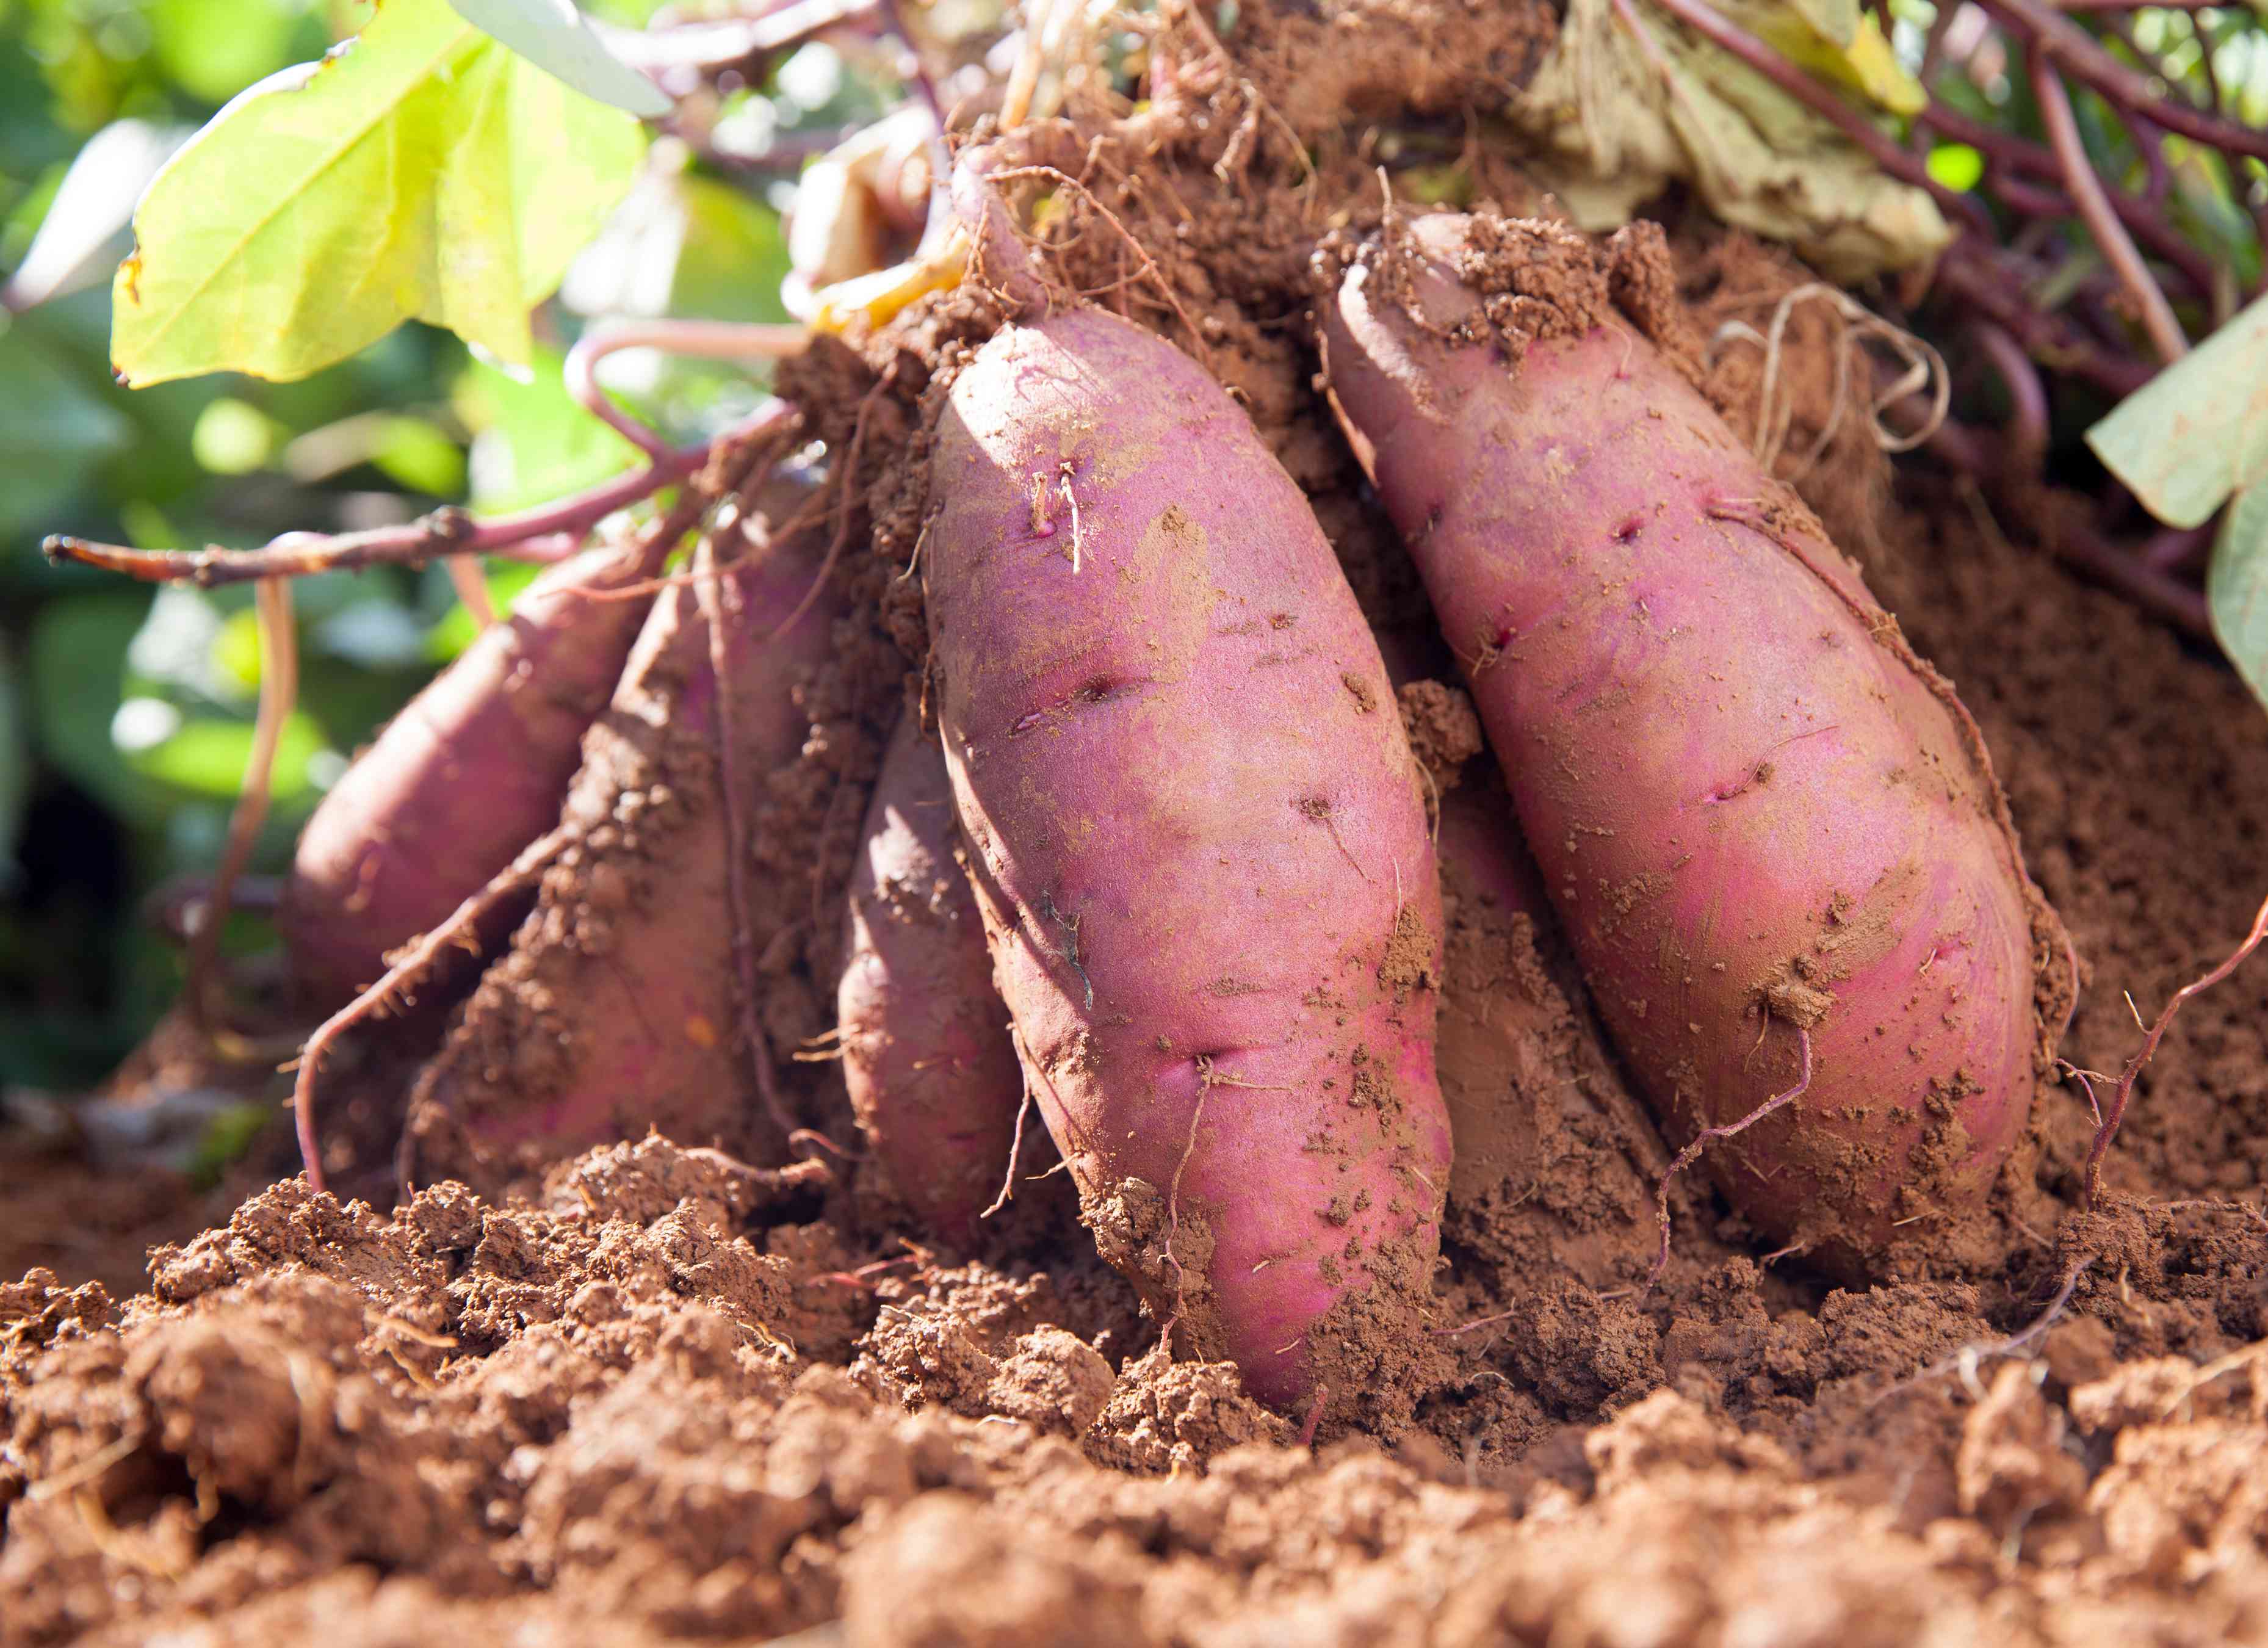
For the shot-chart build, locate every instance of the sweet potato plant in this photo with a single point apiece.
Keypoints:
(1041, 756)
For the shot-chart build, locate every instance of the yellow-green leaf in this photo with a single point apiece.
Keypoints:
(420, 170)
(2198, 431)
(1836, 42)
(1629, 101)
(2236, 587)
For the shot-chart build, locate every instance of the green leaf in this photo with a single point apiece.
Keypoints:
(533, 441)
(554, 36)
(236, 651)
(209, 754)
(2198, 431)
(217, 48)
(734, 257)
(15, 765)
(423, 171)
(78, 661)
(1955, 166)
(2237, 588)
(233, 437)
(53, 430)
(412, 453)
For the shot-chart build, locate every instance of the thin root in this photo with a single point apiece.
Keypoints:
(1925, 369)
(1064, 180)
(1476, 1322)
(1209, 1077)
(1174, 1203)
(416, 959)
(2247, 1359)
(472, 587)
(1077, 537)
(1692, 1153)
(2156, 1033)
(1964, 1360)
(1016, 1145)
(813, 1135)
(842, 511)
(279, 691)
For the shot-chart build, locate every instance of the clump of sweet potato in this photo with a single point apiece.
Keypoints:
(622, 1005)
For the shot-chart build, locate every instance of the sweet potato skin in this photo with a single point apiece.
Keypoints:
(616, 1009)
(1198, 844)
(1756, 810)
(926, 1057)
(470, 772)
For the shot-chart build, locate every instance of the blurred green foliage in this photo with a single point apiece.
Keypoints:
(2207, 197)
(125, 711)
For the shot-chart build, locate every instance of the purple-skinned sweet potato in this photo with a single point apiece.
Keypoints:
(927, 1056)
(1199, 845)
(471, 771)
(1762, 817)
(617, 1007)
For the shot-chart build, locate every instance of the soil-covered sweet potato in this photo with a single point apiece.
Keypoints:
(926, 1057)
(1763, 819)
(469, 773)
(617, 1008)
(1200, 849)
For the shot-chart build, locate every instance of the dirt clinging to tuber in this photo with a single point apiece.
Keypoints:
(659, 1395)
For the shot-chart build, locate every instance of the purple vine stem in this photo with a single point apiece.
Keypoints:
(546, 532)
(2111, 236)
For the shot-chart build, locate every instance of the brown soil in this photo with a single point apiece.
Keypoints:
(663, 1405)
(670, 1398)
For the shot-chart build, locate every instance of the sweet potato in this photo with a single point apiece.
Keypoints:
(1767, 824)
(1558, 1159)
(469, 773)
(926, 1057)
(1199, 847)
(617, 1008)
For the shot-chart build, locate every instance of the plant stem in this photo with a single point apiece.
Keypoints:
(718, 340)
(708, 48)
(2149, 587)
(279, 692)
(2027, 433)
(1969, 272)
(2111, 236)
(2007, 149)
(2064, 43)
(448, 531)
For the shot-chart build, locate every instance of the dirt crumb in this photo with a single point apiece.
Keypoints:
(1167, 1417)
(1444, 728)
